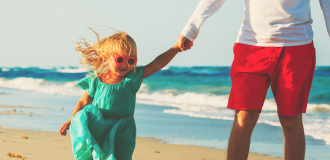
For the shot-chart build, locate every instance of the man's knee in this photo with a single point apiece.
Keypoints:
(246, 119)
(291, 122)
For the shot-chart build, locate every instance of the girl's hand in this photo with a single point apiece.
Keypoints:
(64, 128)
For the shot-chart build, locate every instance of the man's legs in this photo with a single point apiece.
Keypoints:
(291, 70)
(239, 140)
(244, 122)
(294, 138)
(291, 84)
(250, 82)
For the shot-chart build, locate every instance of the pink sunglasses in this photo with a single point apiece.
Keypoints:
(120, 60)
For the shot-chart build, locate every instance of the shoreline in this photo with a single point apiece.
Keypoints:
(41, 145)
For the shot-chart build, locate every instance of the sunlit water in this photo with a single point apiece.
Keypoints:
(184, 105)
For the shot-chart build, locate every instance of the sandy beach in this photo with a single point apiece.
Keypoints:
(51, 146)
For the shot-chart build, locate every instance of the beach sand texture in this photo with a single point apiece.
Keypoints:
(51, 146)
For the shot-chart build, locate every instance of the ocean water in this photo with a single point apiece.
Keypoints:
(189, 103)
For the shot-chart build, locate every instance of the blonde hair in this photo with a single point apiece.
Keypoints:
(96, 56)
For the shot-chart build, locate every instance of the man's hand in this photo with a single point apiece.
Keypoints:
(184, 43)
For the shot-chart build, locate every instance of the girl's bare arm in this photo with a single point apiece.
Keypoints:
(161, 61)
(83, 101)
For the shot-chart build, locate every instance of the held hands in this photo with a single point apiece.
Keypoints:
(64, 128)
(184, 43)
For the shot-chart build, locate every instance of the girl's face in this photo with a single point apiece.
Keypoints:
(120, 69)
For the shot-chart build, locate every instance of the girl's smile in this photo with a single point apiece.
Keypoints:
(122, 70)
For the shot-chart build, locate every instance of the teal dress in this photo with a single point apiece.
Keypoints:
(99, 138)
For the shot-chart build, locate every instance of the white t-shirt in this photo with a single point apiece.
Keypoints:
(266, 23)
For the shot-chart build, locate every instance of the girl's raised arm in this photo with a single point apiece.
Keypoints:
(161, 61)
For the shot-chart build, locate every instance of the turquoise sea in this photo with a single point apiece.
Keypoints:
(182, 105)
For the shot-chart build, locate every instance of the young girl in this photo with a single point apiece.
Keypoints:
(102, 125)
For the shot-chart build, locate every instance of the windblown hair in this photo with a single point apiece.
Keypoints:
(96, 56)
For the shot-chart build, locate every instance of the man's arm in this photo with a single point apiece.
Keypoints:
(204, 10)
(325, 6)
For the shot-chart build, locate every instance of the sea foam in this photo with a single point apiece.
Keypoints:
(316, 122)
(43, 86)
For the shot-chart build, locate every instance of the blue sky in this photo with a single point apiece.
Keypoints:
(40, 33)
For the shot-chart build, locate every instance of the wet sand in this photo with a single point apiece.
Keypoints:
(51, 146)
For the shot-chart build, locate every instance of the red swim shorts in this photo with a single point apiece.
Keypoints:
(289, 70)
